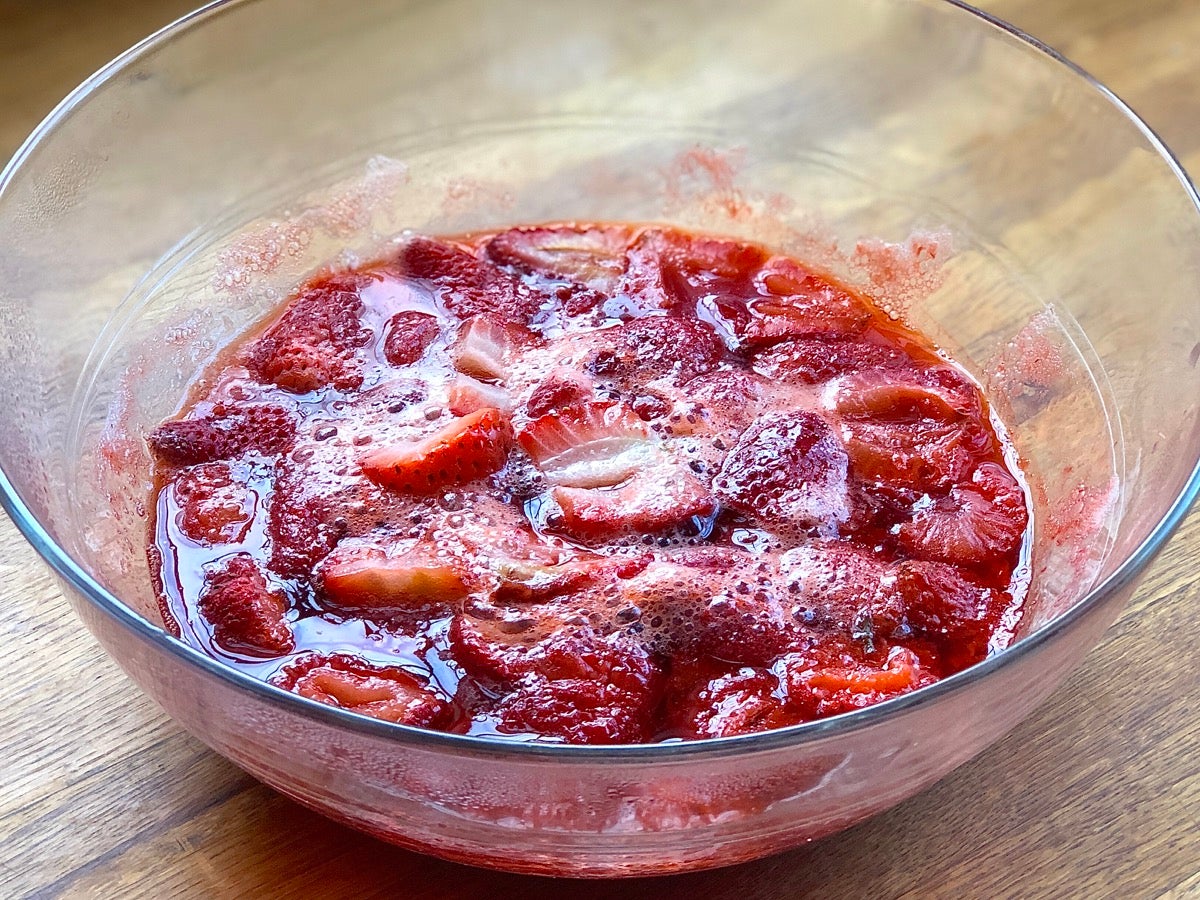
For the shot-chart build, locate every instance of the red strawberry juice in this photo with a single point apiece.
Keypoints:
(588, 484)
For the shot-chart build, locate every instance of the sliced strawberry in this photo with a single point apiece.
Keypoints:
(563, 391)
(789, 467)
(224, 434)
(593, 257)
(976, 524)
(468, 395)
(246, 615)
(651, 501)
(483, 348)
(742, 701)
(317, 340)
(350, 682)
(468, 286)
(656, 346)
(911, 430)
(812, 360)
(947, 608)
(592, 446)
(467, 449)
(409, 334)
(215, 507)
(800, 303)
(816, 691)
(730, 397)
(367, 580)
(576, 685)
(533, 583)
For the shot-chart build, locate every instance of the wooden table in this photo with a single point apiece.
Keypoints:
(1097, 795)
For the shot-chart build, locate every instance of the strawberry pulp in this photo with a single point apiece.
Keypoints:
(588, 484)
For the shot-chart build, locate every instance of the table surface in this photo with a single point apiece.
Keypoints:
(1098, 794)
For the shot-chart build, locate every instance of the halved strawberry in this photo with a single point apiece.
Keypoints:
(976, 524)
(468, 286)
(592, 256)
(468, 395)
(350, 682)
(466, 449)
(651, 501)
(409, 334)
(812, 360)
(741, 701)
(819, 690)
(799, 303)
(369, 580)
(589, 446)
(215, 507)
(656, 346)
(316, 342)
(246, 615)
(787, 467)
(483, 348)
(563, 391)
(527, 582)
(225, 433)
(946, 608)
(844, 588)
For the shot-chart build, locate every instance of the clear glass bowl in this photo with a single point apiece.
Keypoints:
(1012, 206)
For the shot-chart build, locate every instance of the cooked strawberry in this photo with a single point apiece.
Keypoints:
(466, 449)
(731, 398)
(247, 616)
(317, 340)
(911, 430)
(368, 580)
(224, 433)
(656, 346)
(563, 391)
(800, 303)
(812, 360)
(409, 334)
(593, 257)
(742, 701)
(846, 589)
(786, 467)
(976, 524)
(535, 583)
(589, 446)
(649, 406)
(483, 347)
(576, 686)
(215, 507)
(945, 607)
(651, 501)
(350, 682)
(468, 286)
(468, 395)
(827, 690)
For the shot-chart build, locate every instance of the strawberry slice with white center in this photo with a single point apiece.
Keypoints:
(468, 395)
(467, 449)
(374, 581)
(594, 257)
(589, 446)
(483, 348)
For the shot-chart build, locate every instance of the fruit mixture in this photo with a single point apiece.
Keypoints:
(588, 484)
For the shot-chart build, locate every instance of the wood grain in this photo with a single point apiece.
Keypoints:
(1097, 795)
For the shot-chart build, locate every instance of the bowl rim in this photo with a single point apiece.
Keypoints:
(482, 745)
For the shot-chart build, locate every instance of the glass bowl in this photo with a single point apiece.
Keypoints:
(964, 174)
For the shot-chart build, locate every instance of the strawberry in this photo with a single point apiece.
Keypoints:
(468, 395)
(247, 617)
(656, 346)
(786, 467)
(563, 391)
(215, 507)
(368, 580)
(592, 257)
(350, 682)
(649, 502)
(469, 448)
(483, 347)
(225, 433)
(468, 286)
(812, 360)
(977, 523)
(741, 701)
(589, 446)
(945, 607)
(409, 334)
(799, 303)
(316, 342)
(575, 685)
(532, 583)
(820, 690)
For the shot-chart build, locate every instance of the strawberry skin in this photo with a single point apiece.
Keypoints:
(471, 447)
(246, 615)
